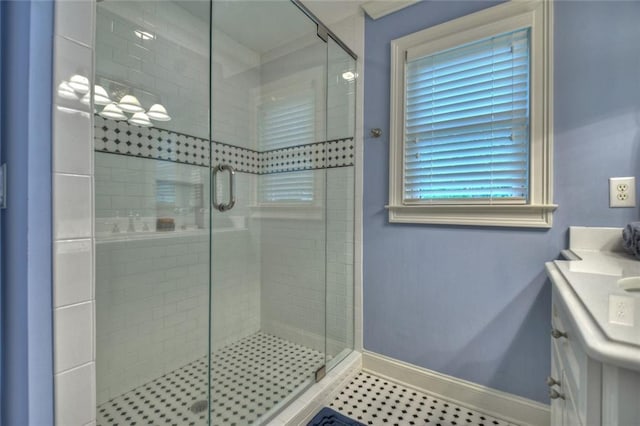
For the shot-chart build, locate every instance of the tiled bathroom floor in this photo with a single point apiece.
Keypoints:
(248, 378)
(376, 401)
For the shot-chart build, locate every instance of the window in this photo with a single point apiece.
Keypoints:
(471, 120)
(285, 122)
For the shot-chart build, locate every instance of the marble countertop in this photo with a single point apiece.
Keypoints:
(606, 317)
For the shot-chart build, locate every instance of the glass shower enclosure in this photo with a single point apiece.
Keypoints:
(224, 208)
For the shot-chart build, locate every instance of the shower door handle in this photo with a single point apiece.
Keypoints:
(232, 188)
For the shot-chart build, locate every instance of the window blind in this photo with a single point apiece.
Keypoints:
(466, 130)
(283, 123)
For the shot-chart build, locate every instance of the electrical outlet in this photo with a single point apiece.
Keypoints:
(621, 310)
(622, 192)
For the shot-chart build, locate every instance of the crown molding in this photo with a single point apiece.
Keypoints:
(377, 9)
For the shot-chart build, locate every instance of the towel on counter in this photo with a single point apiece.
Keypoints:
(631, 238)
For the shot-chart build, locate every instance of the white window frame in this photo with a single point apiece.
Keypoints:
(507, 17)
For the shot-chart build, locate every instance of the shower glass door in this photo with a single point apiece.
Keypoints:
(268, 279)
(223, 208)
(152, 175)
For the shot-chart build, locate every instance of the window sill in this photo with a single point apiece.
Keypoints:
(519, 216)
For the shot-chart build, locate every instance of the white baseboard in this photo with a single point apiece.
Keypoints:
(495, 403)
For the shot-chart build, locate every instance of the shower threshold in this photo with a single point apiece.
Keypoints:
(248, 378)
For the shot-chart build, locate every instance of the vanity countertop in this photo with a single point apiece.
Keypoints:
(606, 317)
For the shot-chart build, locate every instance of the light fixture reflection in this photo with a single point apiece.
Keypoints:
(86, 99)
(79, 83)
(100, 96)
(66, 92)
(130, 103)
(113, 112)
(349, 75)
(144, 35)
(158, 112)
(140, 119)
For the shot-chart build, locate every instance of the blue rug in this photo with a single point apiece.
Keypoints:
(327, 416)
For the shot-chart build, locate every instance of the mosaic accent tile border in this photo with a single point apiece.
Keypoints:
(120, 137)
(341, 153)
(241, 159)
(319, 155)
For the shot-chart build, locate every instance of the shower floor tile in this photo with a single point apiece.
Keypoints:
(248, 378)
(373, 400)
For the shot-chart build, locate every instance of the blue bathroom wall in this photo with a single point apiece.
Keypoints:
(27, 352)
(474, 302)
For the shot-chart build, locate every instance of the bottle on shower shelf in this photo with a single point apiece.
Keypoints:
(131, 227)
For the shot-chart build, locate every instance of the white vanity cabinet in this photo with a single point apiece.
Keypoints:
(595, 359)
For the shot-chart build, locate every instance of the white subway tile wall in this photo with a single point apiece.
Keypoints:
(74, 355)
(76, 396)
(74, 332)
(293, 270)
(340, 257)
(293, 274)
(71, 210)
(151, 308)
(127, 189)
(235, 81)
(73, 271)
(72, 128)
